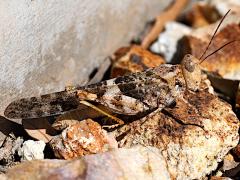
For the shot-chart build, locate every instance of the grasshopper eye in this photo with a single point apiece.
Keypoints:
(189, 65)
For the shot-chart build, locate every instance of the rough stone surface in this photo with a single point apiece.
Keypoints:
(79, 139)
(133, 59)
(194, 136)
(32, 150)
(136, 163)
(45, 46)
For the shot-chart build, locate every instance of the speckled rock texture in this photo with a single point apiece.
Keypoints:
(82, 138)
(46, 45)
(193, 137)
(136, 163)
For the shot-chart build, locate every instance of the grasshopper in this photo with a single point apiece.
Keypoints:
(147, 91)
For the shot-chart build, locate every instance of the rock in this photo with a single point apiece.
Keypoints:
(8, 152)
(167, 41)
(193, 137)
(46, 46)
(206, 32)
(31, 150)
(3, 177)
(223, 6)
(135, 163)
(133, 59)
(79, 139)
(201, 14)
(229, 163)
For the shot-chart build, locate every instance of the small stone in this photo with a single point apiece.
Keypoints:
(79, 139)
(133, 59)
(167, 41)
(32, 150)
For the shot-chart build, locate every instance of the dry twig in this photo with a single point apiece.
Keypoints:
(170, 14)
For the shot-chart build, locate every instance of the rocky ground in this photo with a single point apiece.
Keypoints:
(196, 136)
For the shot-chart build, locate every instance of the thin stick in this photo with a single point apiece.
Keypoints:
(168, 15)
(214, 34)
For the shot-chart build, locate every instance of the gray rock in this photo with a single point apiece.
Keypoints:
(45, 46)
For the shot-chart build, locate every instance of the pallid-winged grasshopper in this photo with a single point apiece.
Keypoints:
(147, 91)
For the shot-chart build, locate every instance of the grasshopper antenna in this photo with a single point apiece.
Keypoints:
(214, 35)
(230, 42)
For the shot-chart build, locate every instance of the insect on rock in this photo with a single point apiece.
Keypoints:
(147, 91)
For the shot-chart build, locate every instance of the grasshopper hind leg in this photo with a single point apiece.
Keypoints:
(119, 121)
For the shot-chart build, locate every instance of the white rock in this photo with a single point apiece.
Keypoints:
(167, 41)
(32, 150)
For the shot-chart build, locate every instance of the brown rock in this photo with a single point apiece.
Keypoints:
(133, 59)
(201, 14)
(193, 136)
(79, 139)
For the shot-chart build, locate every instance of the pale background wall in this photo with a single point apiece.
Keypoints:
(46, 45)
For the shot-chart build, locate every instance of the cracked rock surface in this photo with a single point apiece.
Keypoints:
(193, 137)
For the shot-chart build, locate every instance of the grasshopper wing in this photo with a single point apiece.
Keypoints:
(45, 105)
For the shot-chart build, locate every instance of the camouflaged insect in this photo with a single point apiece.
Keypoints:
(135, 93)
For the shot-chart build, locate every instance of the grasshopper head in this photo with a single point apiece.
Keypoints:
(191, 72)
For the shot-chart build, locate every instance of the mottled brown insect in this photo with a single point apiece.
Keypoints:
(147, 91)
(130, 95)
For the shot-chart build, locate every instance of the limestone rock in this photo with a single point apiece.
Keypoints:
(79, 139)
(135, 163)
(193, 137)
(31, 150)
